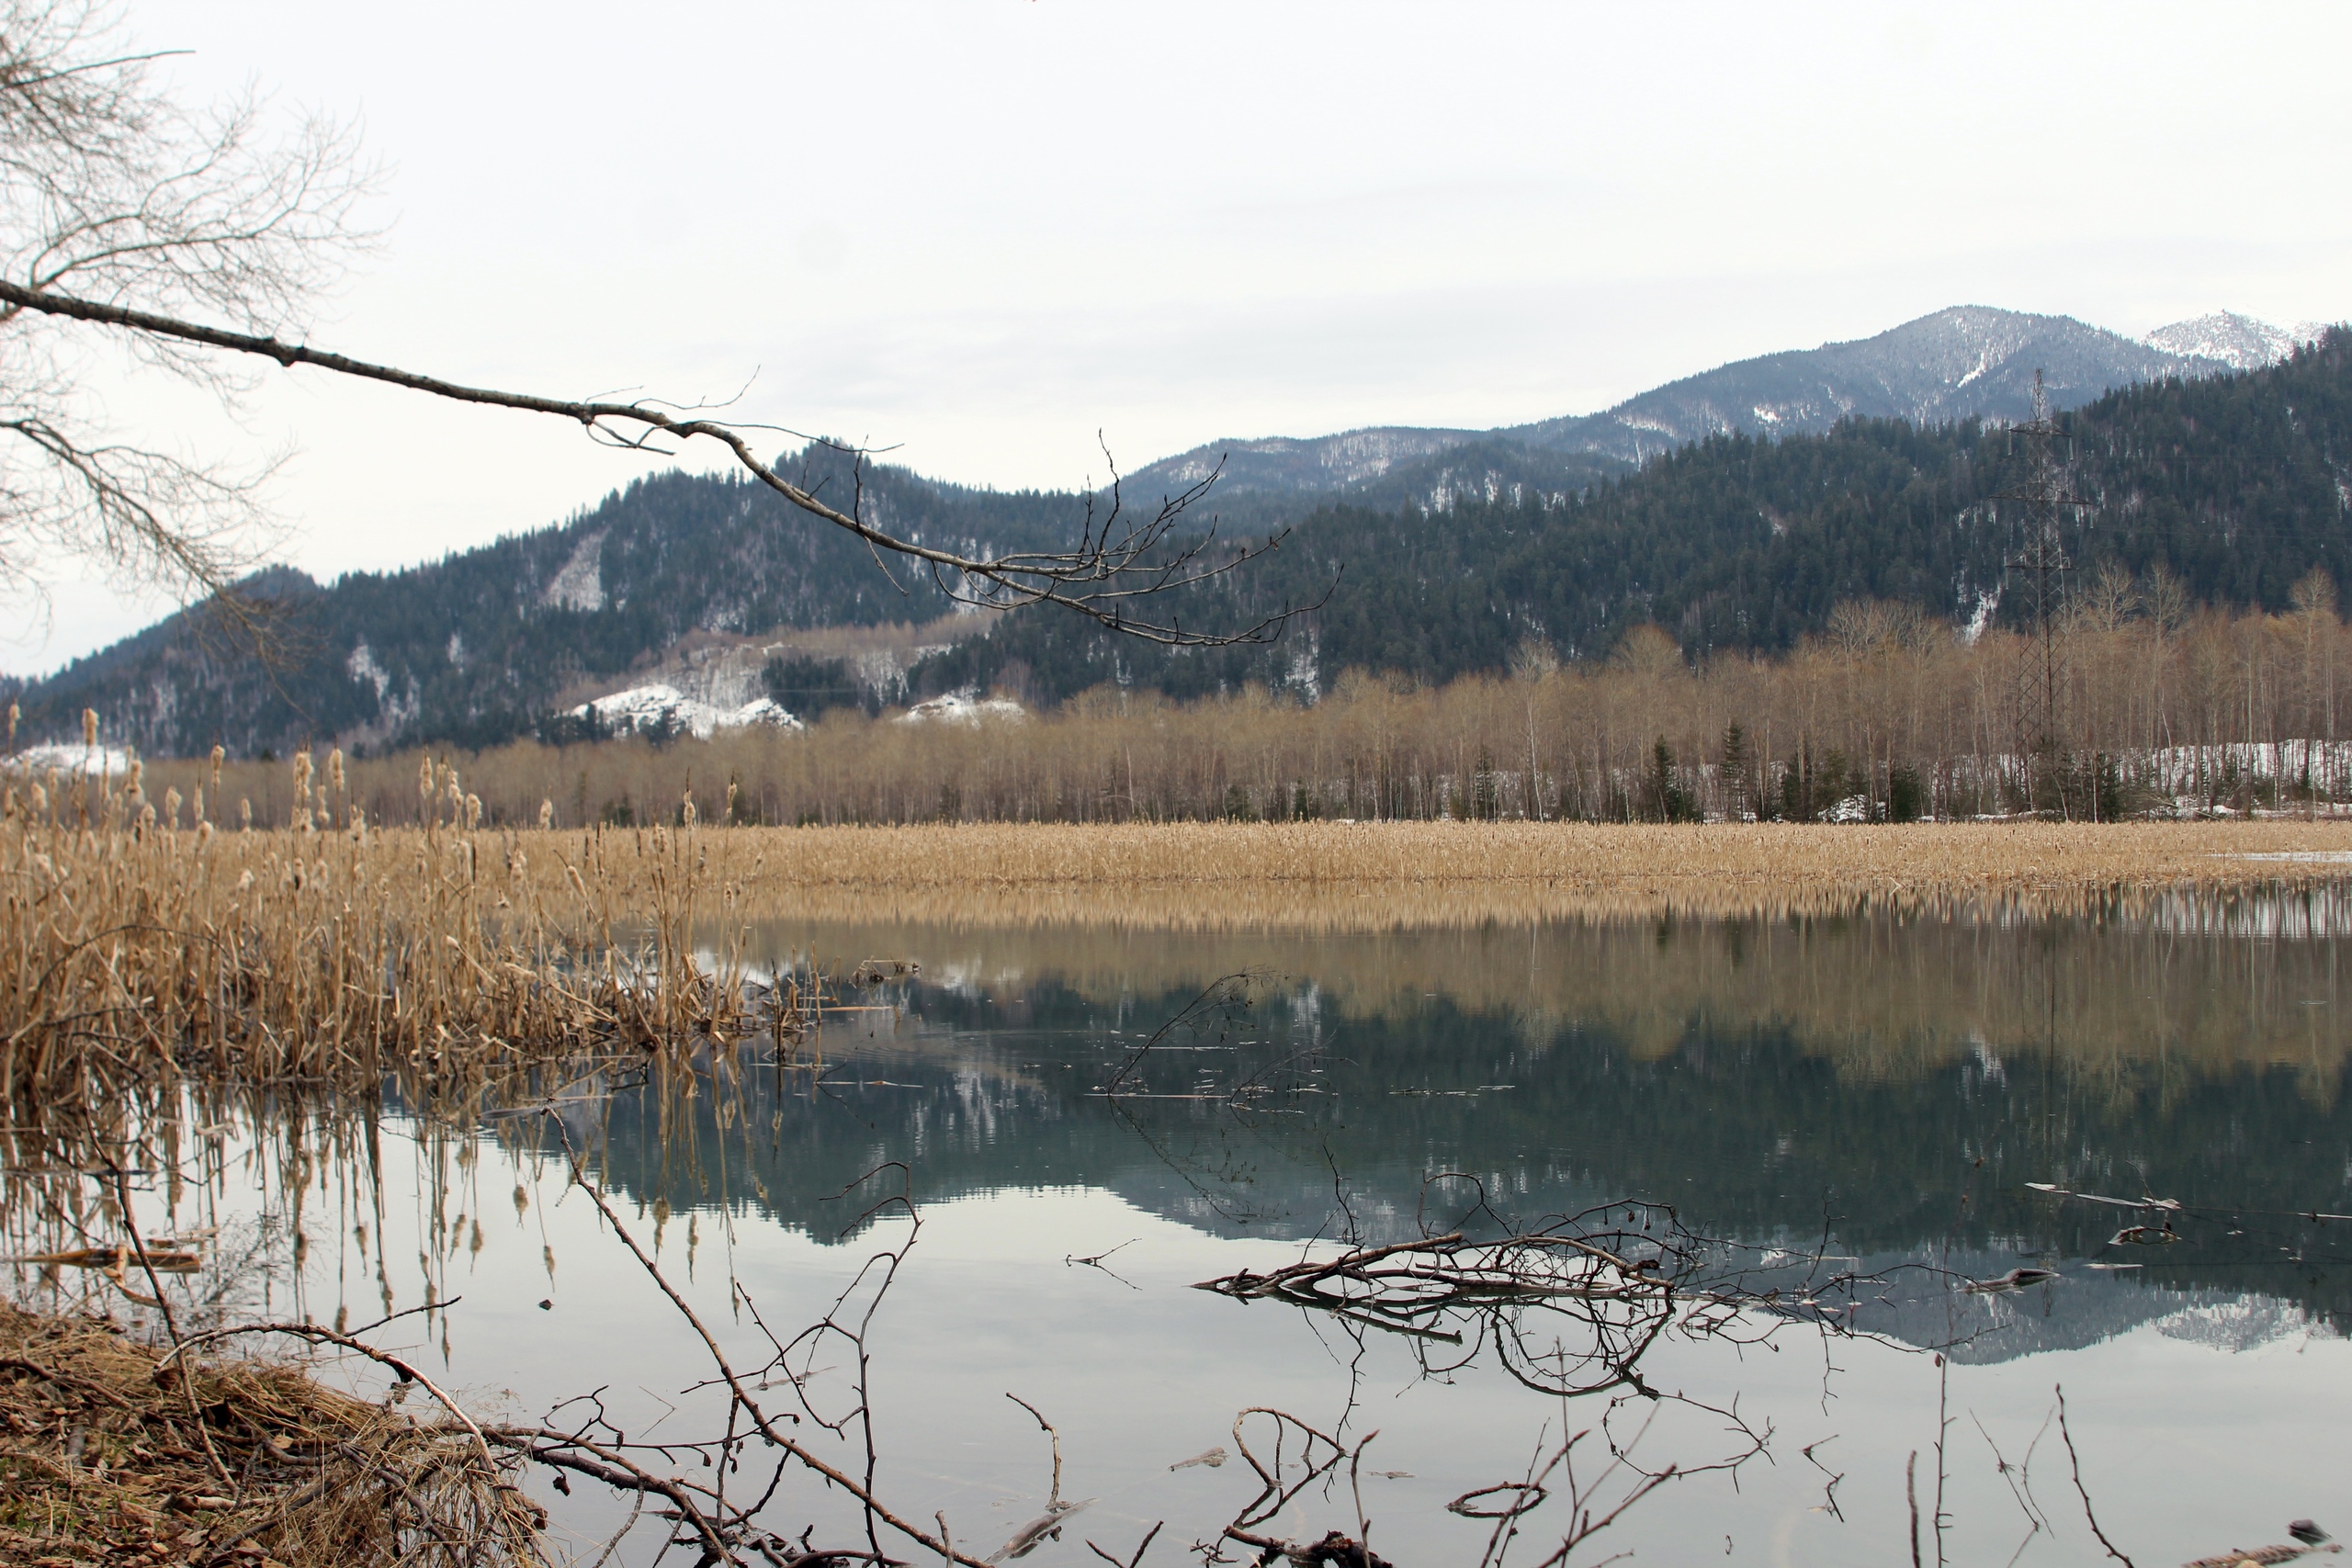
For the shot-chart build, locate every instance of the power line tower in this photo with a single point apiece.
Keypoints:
(2045, 494)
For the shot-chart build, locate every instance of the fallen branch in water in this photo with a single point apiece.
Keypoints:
(731, 1527)
(1318, 1455)
(2261, 1556)
(1616, 1277)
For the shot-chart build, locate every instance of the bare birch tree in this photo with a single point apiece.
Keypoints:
(193, 240)
(113, 192)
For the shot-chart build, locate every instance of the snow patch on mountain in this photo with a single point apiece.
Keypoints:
(579, 583)
(661, 709)
(2242, 343)
(1292, 463)
(362, 666)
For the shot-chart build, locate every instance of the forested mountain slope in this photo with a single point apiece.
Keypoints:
(1456, 553)
(2239, 484)
(473, 648)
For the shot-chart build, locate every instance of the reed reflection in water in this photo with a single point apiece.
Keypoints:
(2184, 983)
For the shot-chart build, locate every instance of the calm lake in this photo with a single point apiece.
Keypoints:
(1867, 1096)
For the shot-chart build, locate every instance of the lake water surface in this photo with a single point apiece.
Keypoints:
(1869, 1096)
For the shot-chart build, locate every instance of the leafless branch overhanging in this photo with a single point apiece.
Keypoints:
(1118, 560)
(200, 234)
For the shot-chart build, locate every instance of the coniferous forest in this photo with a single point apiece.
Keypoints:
(2229, 491)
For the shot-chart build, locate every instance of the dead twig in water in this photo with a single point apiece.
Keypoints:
(2075, 1462)
(1141, 1547)
(1046, 1526)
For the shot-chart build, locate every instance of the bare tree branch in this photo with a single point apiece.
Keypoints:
(1119, 558)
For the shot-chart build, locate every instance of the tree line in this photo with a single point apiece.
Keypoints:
(2237, 486)
(2161, 706)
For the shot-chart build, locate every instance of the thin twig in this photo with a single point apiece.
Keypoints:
(2075, 1463)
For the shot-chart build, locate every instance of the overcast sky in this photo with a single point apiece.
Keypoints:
(983, 230)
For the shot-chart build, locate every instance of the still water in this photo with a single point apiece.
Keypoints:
(1869, 1096)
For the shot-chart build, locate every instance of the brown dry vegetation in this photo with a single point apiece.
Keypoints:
(107, 1454)
(2201, 706)
(1398, 874)
(456, 957)
(448, 957)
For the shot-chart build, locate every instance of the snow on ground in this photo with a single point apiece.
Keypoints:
(957, 708)
(110, 761)
(663, 706)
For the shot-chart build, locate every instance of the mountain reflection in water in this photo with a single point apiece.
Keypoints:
(1878, 1087)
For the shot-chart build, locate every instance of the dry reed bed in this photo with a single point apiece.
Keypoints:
(108, 1452)
(1368, 877)
(448, 956)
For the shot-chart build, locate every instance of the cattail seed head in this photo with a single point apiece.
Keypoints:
(199, 803)
(473, 812)
(89, 728)
(547, 814)
(334, 769)
(424, 780)
(172, 809)
(220, 753)
(245, 813)
(14, 714)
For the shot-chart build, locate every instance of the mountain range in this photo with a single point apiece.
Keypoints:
(697, 582)
(1967, 361)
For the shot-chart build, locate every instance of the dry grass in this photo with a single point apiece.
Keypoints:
(445, 957)
(1375, 876)
(106, 1454)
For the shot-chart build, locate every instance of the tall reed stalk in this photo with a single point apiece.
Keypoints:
(132, 951)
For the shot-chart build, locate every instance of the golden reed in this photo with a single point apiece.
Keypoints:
(1373, 876)
(130, 948)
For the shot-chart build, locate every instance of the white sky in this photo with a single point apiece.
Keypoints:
(982, 231)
